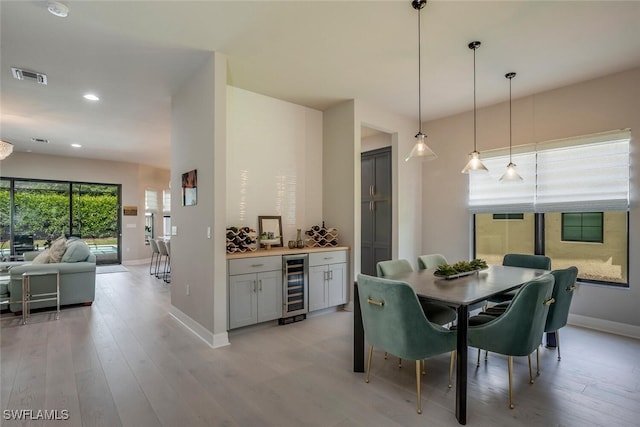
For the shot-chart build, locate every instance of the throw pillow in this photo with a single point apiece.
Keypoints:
(77, 251)
(41, 258)
(57, 249)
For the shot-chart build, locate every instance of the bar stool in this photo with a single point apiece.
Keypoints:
(155, 254)
(162, 247)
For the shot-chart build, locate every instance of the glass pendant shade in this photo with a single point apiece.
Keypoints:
(475, 164)
(6, 148)
(421, 149)
(511, 175)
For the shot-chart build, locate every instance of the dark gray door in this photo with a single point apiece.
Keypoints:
(375, 209)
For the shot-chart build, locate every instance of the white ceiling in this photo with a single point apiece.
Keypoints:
(315, 53)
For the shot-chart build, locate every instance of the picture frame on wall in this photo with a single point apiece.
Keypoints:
(190, 188)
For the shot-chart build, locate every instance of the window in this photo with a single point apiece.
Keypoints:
(573, 205)
(582, 227)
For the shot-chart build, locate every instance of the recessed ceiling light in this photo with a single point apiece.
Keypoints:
(91, 97)
(58, 9)
(76, 145)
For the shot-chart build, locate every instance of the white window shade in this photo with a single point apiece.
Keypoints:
(166, 201)
(593, 177)
(487, 194)
(150, 200)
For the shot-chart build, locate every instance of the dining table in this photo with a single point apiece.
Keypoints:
(461, 293)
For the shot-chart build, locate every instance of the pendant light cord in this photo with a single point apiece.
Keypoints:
(419, 77)
(474, 100)
(510, 127)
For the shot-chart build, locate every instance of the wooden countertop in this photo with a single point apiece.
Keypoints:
(284, 251)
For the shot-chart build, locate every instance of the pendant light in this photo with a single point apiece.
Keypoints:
(420, 149)
(510, 175)
(6, 148)
(475, 164)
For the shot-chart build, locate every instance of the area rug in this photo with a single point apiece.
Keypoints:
(116, 268)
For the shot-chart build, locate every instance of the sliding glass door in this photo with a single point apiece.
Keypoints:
(33, 213)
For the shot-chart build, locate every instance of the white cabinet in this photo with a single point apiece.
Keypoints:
(327, 279)
(255, 290)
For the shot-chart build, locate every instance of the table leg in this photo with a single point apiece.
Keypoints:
(358, 333)
(461, 371)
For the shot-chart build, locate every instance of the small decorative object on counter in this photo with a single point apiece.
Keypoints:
(292, 244)
(241, 239)
(322, 236)
(299, 241)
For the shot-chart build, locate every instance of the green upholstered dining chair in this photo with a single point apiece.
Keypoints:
(539, 262)
(565, 284)
(430, 261)
(439, 314)
(394, 321)
(518, 331)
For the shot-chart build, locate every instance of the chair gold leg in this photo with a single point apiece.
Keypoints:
(451, 364)
(418, 386)
(478, 364)
(486, 355)
(366, 380)
(510, 364)
(424, 367)
(538, 361)
(558, 344)
(530, 370)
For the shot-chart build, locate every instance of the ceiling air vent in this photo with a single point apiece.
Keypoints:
(40, 140)
(29, 75)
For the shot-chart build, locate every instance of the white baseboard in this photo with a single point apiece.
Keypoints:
(137, 261)
(212, 340)
(617, 328)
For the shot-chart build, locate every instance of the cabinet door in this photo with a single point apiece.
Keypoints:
(242, 300)
(318, 297)
(337, 284)
(269, 295)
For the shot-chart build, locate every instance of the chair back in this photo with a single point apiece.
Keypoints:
(540, 262)
(392, 267)
(394, 321)
(431, 261)
(154, 246)
(519, 330)
(162, 247)
(563, 288)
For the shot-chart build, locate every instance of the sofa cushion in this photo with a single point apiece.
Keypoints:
(41, 258)
(4, 288)
(77, 251)
(57, 249)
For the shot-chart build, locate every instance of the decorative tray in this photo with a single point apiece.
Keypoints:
(460, 269)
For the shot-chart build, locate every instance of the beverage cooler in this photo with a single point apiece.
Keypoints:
(295, 287)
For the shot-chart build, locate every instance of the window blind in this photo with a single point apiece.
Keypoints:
(588, 173)
(166, 201)
(150, 200)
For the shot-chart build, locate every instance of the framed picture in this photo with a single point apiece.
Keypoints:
(270, 229)
(190, 188)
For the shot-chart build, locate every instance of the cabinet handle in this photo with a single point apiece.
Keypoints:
(371, 190)
(326, 275)
(328, 257)
(331, 275)
(255, 285)
(257, 265)
(260, 282)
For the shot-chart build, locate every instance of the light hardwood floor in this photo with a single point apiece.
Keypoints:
(125, 362)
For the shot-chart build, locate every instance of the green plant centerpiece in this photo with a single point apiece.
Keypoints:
(461, 268)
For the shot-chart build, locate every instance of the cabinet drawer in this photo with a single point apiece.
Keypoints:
(324, 258)
(254, 265)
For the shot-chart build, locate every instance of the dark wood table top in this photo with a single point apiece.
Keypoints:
(470, 289)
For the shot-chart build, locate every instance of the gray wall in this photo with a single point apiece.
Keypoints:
(134, 178)
(603, 104)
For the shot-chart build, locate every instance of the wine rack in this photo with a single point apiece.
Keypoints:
(241, 239)
(318, 236)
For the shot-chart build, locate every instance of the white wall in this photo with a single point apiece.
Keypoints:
(134, 178)
(274, 162)
(198, 141)
(602, 104)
